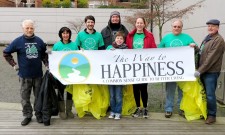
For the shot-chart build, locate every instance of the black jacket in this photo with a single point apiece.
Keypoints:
(107, 34)
(47, 103)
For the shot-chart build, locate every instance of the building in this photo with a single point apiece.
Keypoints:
(38, 3)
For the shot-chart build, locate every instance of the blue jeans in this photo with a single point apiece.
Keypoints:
(170, 93)
(116, 98)
(209, 81)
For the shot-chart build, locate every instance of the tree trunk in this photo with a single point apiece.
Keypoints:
(160, 33)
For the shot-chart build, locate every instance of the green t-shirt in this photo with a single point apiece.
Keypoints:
(59, 46)
(171, 40)
(109, 47)
(138, 41)
(89, 41)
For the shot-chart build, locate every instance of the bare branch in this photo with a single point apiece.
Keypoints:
(163, 11)
(76, 25)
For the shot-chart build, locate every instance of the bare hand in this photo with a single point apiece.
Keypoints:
(16, 68)
(193, 45)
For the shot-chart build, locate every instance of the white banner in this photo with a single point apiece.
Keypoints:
(123, 66)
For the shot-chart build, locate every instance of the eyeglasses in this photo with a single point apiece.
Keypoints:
(177, 27)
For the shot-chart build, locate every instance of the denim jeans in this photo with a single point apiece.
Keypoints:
(116, 100)
(209, 81)
(170, 93)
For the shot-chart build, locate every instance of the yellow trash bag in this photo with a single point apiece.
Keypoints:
(193, 102)
(91, 98)
(129, 105)
(82, 96)
(100, 101)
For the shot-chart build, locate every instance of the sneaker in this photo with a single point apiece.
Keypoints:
(168, 114)
(145, 113)
(112, 115)
(137, 113)
(26, 121)
(117, 116)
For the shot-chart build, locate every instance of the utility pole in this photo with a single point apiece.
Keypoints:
(151, 20)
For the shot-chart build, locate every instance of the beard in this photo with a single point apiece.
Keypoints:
(90, 27)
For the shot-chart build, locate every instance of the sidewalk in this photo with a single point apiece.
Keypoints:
(153, 115)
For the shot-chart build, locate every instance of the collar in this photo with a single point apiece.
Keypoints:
(29, 37)
(85, 30)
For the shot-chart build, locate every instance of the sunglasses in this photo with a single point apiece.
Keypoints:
(177, 27)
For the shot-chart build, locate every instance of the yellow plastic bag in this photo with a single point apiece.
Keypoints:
(82, 96)
(129, 105)
(100, 100)
(92, 99)
(193, 102)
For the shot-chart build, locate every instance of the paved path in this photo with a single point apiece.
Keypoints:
(157, 124)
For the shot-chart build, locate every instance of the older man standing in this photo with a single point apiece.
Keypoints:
(174, 39)
(210, 61)
(30, 54)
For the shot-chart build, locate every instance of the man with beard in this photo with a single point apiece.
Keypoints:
(114, 25)
(89, 38)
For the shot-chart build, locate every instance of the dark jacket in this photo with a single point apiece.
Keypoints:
(149, 41)
(211, 55)
(108, 36)
(47, 103)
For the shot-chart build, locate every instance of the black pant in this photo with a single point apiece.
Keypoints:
(61, 89)
(141, 90)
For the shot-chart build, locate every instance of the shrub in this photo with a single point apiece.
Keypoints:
(56, 3)
(46, 3)
(66, 3)
(82, 4)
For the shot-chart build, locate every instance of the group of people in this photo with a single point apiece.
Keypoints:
(31, 51)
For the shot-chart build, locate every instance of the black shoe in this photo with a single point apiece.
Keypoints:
(39, 119)
(47, 123)
(26, 121)
(168, 114)
(181, 113)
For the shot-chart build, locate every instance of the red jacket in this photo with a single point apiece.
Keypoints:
(149, 41)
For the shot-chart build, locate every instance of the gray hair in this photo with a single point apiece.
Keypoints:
(28, 21)
(178, 20)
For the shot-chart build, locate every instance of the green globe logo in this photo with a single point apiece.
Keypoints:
(74, 67)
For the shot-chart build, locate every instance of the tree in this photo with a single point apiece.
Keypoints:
(76, 25)
(162, 12)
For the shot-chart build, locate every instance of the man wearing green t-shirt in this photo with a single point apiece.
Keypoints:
(89, 38)
(174, 39)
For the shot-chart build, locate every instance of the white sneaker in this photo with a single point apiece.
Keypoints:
(112, 115)
(117, 116)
